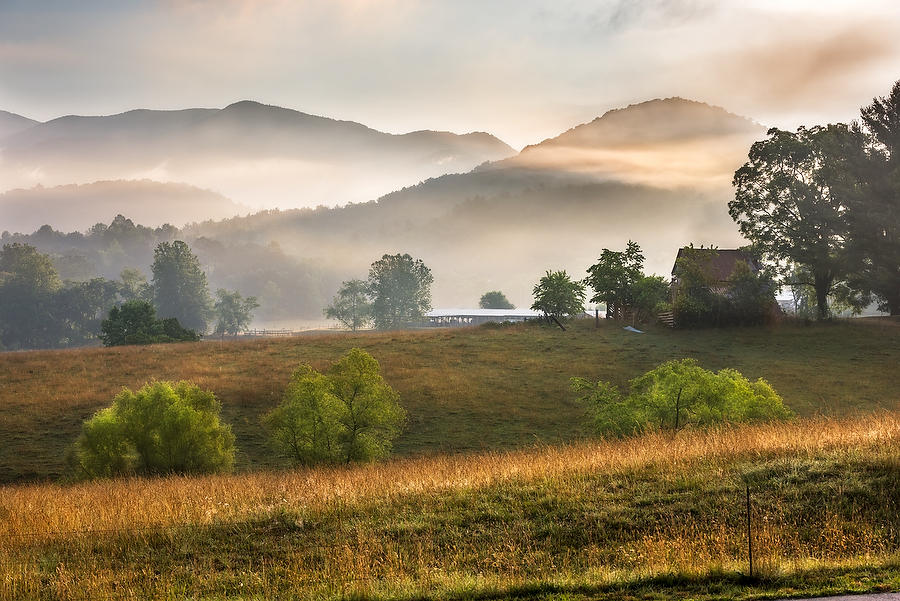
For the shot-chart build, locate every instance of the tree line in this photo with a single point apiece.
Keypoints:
(40, 310)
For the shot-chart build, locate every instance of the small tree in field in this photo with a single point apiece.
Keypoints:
(348, 414)
(558, 296)
(351, 305)
(495, 300)
(677, 394)
(234, 311)
(163, 428)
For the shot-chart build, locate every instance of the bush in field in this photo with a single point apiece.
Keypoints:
(348, 414)
(163, 428)
(678, 394)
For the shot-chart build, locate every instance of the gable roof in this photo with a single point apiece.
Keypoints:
(722, 263)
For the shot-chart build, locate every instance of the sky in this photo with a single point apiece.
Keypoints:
(523, 70)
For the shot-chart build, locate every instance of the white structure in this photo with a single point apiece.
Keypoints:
(471, 317)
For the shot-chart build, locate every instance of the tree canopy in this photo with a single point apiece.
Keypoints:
(614, 276)
(135, 322)
(234, 312)
(163, 428)
(179, 286)
(400, 289)
(495, 300)
(348, 414)
(558, 296)
(351, 305)
(788, 202)
(677, 394)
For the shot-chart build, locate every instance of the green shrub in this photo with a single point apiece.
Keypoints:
(348, 414)
(163, 428)
(678, 394)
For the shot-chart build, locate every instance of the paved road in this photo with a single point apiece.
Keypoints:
(868, 597)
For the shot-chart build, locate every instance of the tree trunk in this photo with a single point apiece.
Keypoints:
(822, 286)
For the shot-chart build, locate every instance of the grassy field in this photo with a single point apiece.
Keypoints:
(468, 390)
(659, 516)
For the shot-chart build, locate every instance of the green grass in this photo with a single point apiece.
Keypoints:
(826, 519)
(465, 390)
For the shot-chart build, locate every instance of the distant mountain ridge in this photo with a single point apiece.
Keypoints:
(11, 123)
(261, 155)
(146, 202)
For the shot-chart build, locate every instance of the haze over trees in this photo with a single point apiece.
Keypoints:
(233, 312)
(180, 289)
(495, 300)
(351, 305)
(400, 289)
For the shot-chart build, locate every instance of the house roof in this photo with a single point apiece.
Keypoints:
(722, 262)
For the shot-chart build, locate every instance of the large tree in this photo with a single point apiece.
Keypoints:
(788, 201)
(28, 285)
(179, 286)
(873, 213)
(400, 288)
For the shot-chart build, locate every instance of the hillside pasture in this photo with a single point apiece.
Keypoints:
(465, 390)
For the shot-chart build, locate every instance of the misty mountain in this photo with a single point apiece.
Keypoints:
(257, 154)
(11, 123)
(503, 224)
(77, 207)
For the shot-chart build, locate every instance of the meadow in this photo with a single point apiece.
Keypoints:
(496, 491)
(657, 516)
(466, 390)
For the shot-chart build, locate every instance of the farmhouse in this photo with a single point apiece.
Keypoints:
(470, 317)
(717, 265)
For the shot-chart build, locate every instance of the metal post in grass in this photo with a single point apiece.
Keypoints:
(749, 534)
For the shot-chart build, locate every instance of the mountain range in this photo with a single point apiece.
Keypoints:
(258, 155)
(657, 172)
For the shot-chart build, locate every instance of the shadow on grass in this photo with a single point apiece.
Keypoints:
(713, 586)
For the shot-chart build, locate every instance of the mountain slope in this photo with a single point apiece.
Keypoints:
(503, 224)
(11, 123)
(258, 154)
(146, 202)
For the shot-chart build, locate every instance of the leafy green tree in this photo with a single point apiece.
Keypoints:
(28, 285)
(234, 311)
(873, 211)
(349, 414)
(613, 278)
(135, 322)
(788, 202)
(400, 289)
(495, 300)
(558, 296)
(179, 286)
(163, 428)
(351, 305)
(650, 297)
(678, 394)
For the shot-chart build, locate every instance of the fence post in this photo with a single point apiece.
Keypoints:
(749, 534)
